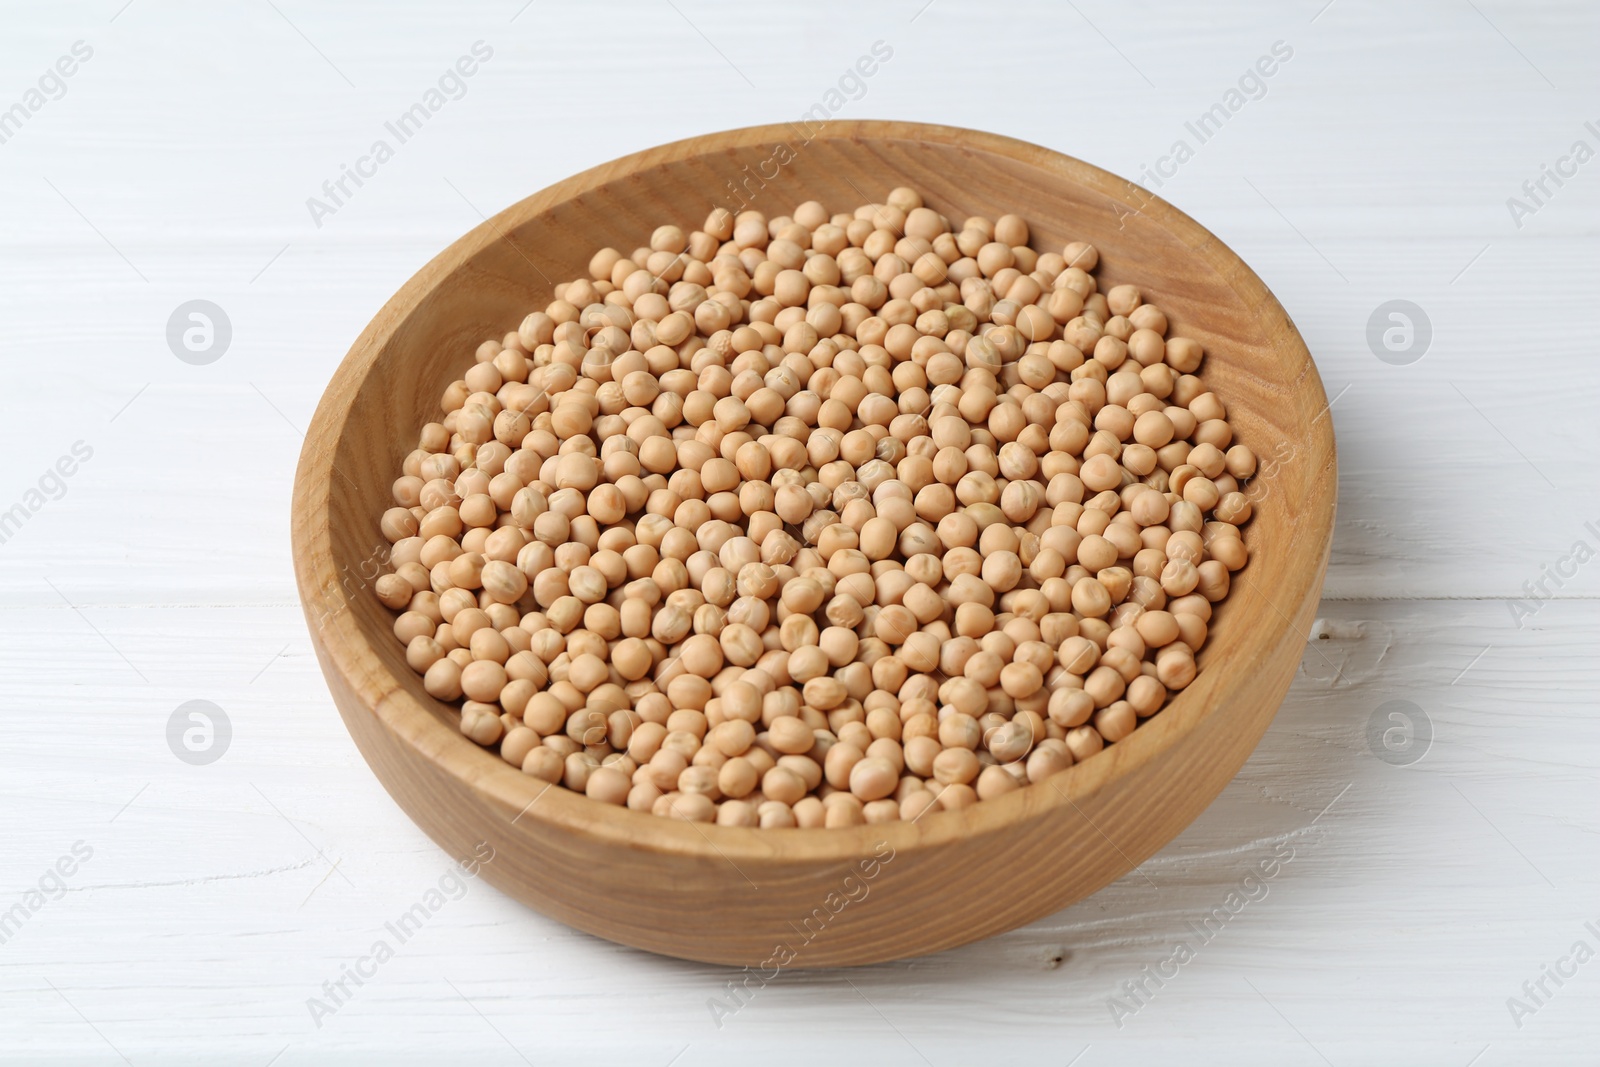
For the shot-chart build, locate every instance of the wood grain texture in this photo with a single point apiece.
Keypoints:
(729, 895)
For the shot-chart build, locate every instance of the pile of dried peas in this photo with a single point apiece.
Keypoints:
(818, 520)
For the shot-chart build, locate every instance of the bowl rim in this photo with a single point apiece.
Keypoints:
(347, 652)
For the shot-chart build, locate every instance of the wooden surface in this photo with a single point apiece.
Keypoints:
(729, 895)
(1380, 159)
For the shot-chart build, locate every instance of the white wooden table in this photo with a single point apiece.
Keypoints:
(175, 163)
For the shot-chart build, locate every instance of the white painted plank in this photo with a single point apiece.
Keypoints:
(211, 203)
(1442, 885)
(1376, 166)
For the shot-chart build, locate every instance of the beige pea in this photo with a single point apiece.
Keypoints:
(545, 764)
(783, 785)
(1050, 758)
(916, 804)
(995, 782)
(873, 778)
(1101, 472)
(1179, 577)
(1070, 708)
(1020, 680)
(737, 777)
(690, 807)
(482, 680)
(733, 737)
(1146, 695)
(503, 581)
(422, 652)
(840, 760)
(1157, 628)
(956, 796)
(1090, 598)
(608, 785)
(413, 624)
(443, 679)
(846, 811)
(773, 814)
(1010, 741)
(1115, 722)
(700, 779)
(1011, 230)
(955, 766)
(790, 735)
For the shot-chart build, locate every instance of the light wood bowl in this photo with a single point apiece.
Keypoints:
(814, 898)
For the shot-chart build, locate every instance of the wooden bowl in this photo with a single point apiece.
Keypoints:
(814, 898)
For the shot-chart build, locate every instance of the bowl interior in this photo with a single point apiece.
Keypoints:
(485, 283)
